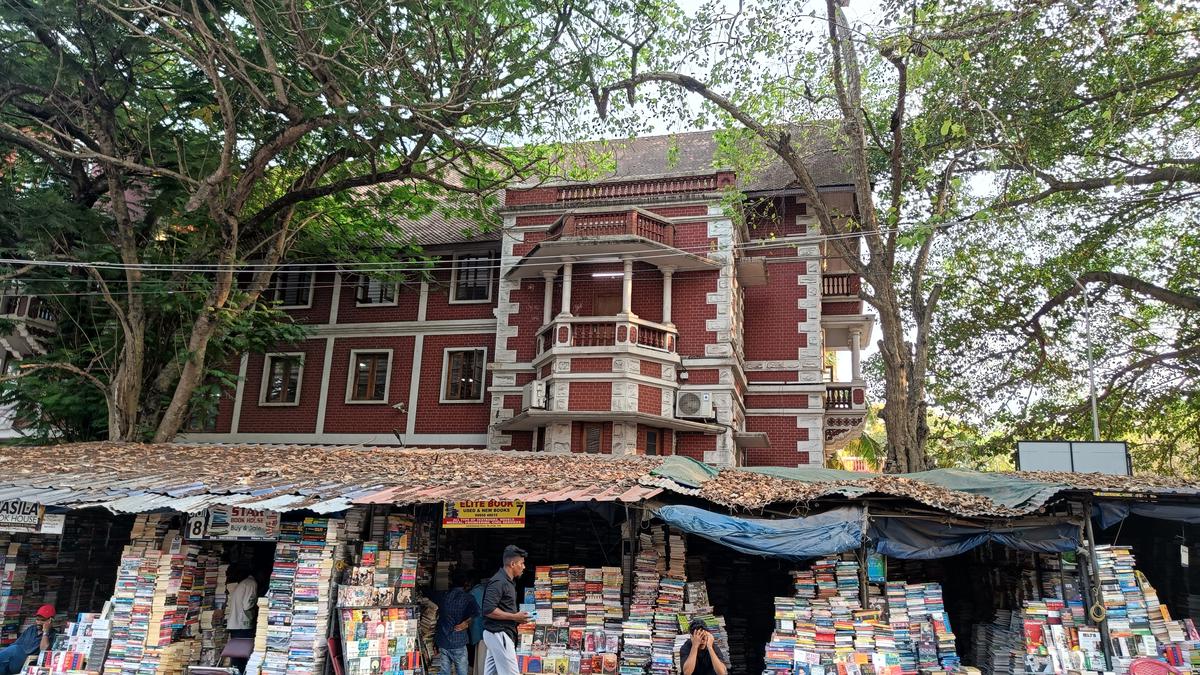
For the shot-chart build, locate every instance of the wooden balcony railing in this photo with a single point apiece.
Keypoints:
(839, 397)
(620, 223)
(844, 285)
(593, 334)
(646, 188)
(655, 338)
(27, 307)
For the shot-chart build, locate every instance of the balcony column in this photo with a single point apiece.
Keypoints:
(566, 291)
(855, 361)
(548, 296)
(667, 274)
(627, 289)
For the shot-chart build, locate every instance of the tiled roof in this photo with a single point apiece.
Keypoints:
(144, 477)
(129, 478)
(698, 153)
(646, 157)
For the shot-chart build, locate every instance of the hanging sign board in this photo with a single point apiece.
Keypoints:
(20, 516)
(483, 513)
(227, 523)
(876, 568)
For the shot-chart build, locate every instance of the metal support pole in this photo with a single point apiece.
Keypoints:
(864, 583)
(1097, 590)
(1087, 329)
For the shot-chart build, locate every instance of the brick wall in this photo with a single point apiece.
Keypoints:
(776, 401)
(651, 368)
(590, 396)
(772, 315)
(450, 418)
(591, 365)
(690, 311)
(322, 297)
(408, 299)
(694, 445)
(756, 376)
(357, 418)
(527, 320)
(783, 435)
(649, 399)
(300, 419)
(539, 195)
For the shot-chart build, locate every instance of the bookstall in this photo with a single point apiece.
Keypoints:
(67, 560)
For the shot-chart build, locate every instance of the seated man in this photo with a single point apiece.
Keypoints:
(34, 640)
(699, 656)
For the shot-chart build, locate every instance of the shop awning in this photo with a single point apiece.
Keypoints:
(927, 539)
(1111, 513)
(796, 539)
(844, 529)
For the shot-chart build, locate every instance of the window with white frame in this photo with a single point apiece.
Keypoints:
(462, 375)
(292, 287)
(472, 280)
(369, 371)
(282, 375)
(372, 291)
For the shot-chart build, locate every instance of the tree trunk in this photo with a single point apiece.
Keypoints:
(904, 391)
(190, 376)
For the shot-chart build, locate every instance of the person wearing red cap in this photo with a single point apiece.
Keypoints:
(34, 640)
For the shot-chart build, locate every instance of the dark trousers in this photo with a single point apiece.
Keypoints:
(240, 664)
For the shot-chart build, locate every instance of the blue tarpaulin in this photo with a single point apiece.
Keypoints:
(926, 540)
(842, 529)
(797, 539)
(1111, 513)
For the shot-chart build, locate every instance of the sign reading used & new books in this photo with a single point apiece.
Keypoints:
(20, 516)
(484, 513)
(234, 522)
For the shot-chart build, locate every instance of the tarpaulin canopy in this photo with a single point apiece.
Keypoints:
(842, 529)
(796, 539)
(927, 540)
(1111, 513)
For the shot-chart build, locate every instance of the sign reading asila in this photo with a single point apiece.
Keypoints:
(19, 515)
(484, 513)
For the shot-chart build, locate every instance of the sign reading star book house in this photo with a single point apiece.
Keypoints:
(482, 513)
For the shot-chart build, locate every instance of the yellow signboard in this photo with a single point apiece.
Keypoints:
(483, 513)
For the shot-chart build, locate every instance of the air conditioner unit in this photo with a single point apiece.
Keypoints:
(695, 404)
(533, 396)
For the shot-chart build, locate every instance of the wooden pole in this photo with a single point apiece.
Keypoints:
(1098, 592)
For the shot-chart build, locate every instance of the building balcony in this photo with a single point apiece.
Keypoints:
(845, 414)
(606, 235)
(630, 223)
(840, 285)
(29, 321)
(591, 334)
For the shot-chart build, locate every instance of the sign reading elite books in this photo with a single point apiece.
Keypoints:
(484, 513)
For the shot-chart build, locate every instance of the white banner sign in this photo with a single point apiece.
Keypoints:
(19, 516)
(234, 522)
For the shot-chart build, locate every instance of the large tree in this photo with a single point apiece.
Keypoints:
(914, 98)
(200, 139)
(1093, 160)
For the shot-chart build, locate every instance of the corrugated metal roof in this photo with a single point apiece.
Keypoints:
(130, 478)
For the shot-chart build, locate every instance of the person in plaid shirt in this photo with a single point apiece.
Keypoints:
(455, 614)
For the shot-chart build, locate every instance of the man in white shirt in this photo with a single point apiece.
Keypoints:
(240, 604)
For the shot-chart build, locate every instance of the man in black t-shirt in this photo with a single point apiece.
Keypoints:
(699, 655)
(500, 615)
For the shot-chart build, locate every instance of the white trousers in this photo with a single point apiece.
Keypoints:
(501, 656)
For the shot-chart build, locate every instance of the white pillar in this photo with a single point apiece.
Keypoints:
(667, 273)
(855, 361)
(548, 296)
(627, 289)
(566, 291)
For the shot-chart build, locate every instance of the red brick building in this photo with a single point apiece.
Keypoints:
(630, 314)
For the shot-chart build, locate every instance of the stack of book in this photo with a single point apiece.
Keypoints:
(298, 595)
(614, 609)
(637, 630)
(667, 609)
(381, 640)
